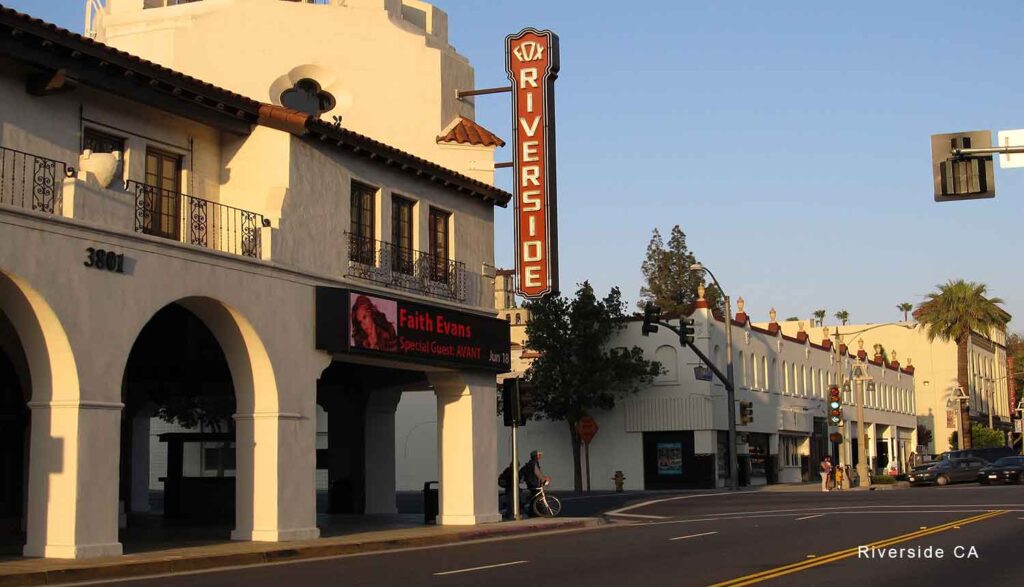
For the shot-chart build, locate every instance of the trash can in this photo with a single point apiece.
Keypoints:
(430, 502)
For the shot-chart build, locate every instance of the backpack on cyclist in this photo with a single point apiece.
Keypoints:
(505, 479)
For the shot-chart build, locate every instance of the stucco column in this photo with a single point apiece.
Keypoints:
(380, 452)
(467, 451)
(275, 494)
(73, 479)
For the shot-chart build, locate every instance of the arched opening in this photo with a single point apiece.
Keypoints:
(178, 457)
(15, 389)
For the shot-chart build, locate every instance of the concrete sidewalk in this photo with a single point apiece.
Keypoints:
(37, 571)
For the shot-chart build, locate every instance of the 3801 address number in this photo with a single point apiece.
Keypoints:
(104, 260)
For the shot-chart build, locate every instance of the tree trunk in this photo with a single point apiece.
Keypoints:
(577, 481)
(965, 439)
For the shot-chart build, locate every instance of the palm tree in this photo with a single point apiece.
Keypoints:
(843, 316)
(905, 307)
(819, 315)
(952, 314)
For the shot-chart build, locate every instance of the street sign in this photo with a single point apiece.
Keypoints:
(966, 177)
(587, 429)
(1011, 138)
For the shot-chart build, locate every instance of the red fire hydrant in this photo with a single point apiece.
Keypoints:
(619, 479)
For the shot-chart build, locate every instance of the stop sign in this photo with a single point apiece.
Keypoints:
(586, 428)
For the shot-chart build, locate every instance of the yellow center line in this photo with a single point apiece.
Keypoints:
(846, 553)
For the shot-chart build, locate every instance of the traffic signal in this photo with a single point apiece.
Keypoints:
(746, 413)
(511, 406)
(962, 177)
(688, 331)
(835, 405)
(652, 314)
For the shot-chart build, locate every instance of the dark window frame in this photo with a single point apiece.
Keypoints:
(164, 199)
(362, 226)
(403, 234)
(440, 233)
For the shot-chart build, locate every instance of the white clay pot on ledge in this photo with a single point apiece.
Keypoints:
(98, 169)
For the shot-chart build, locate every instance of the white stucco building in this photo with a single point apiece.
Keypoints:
(191, 221)
(935, 380)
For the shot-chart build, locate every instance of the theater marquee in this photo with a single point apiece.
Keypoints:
(349, 321)
(531, 60)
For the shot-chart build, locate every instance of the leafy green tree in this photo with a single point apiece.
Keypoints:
(819, 315)
(843, 316)
(793, 319)
(669, 281)
(952, 313)
(905, 307)
(981, 437)
(577, 372)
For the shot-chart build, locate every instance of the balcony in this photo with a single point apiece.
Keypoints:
(195, 221)
(32, 182)
(407, 269)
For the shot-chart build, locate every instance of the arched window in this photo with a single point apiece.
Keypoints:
(766, 381)
(785, 377)
(519, 318)
(773, 377)
(307, 96)
(743, 369)
(667, 356)
(755, 381)
(508, 317)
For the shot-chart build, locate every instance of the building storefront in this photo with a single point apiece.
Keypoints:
(177, 250)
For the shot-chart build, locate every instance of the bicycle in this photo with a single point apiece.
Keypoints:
(544, 505)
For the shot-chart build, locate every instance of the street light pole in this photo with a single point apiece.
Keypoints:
(730, 393)
(862, 440)
(730, 387)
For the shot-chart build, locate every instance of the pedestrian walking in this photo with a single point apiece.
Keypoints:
(826, 472)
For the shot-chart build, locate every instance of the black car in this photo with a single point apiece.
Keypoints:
(1004, 470)
(991, 454)
(947, 471)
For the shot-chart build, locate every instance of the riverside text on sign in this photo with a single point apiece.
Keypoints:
(532, 64)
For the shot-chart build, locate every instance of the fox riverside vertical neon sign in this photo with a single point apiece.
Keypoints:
(531, 60)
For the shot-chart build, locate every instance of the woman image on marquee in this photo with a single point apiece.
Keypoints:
(371, 329)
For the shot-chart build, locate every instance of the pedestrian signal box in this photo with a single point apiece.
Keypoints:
(964, 176)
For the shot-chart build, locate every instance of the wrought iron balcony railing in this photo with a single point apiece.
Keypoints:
(32, 182)
(196, 221)
(407, 269)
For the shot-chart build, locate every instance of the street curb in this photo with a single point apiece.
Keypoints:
(275, 553)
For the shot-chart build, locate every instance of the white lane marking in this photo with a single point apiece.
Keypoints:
(664, 499)
(638, 516)
(810, 517)
(692, 536)
(480, 568)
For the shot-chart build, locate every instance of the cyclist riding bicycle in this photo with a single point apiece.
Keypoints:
(533, 476)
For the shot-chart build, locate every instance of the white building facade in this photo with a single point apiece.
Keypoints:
(165, 238)
(673, 433)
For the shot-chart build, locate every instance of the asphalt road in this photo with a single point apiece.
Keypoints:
(744, 538)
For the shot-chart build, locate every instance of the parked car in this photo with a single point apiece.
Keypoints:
(1004, 470)
(947, 471)
(989, 454)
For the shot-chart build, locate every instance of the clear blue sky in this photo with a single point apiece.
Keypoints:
(790, 140)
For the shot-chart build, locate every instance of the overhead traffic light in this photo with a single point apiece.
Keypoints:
(686, 336)
(746, 413)
(835, 405)
(652, 314)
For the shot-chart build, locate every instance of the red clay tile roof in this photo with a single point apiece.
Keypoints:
(468, 132)
(83, 56)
